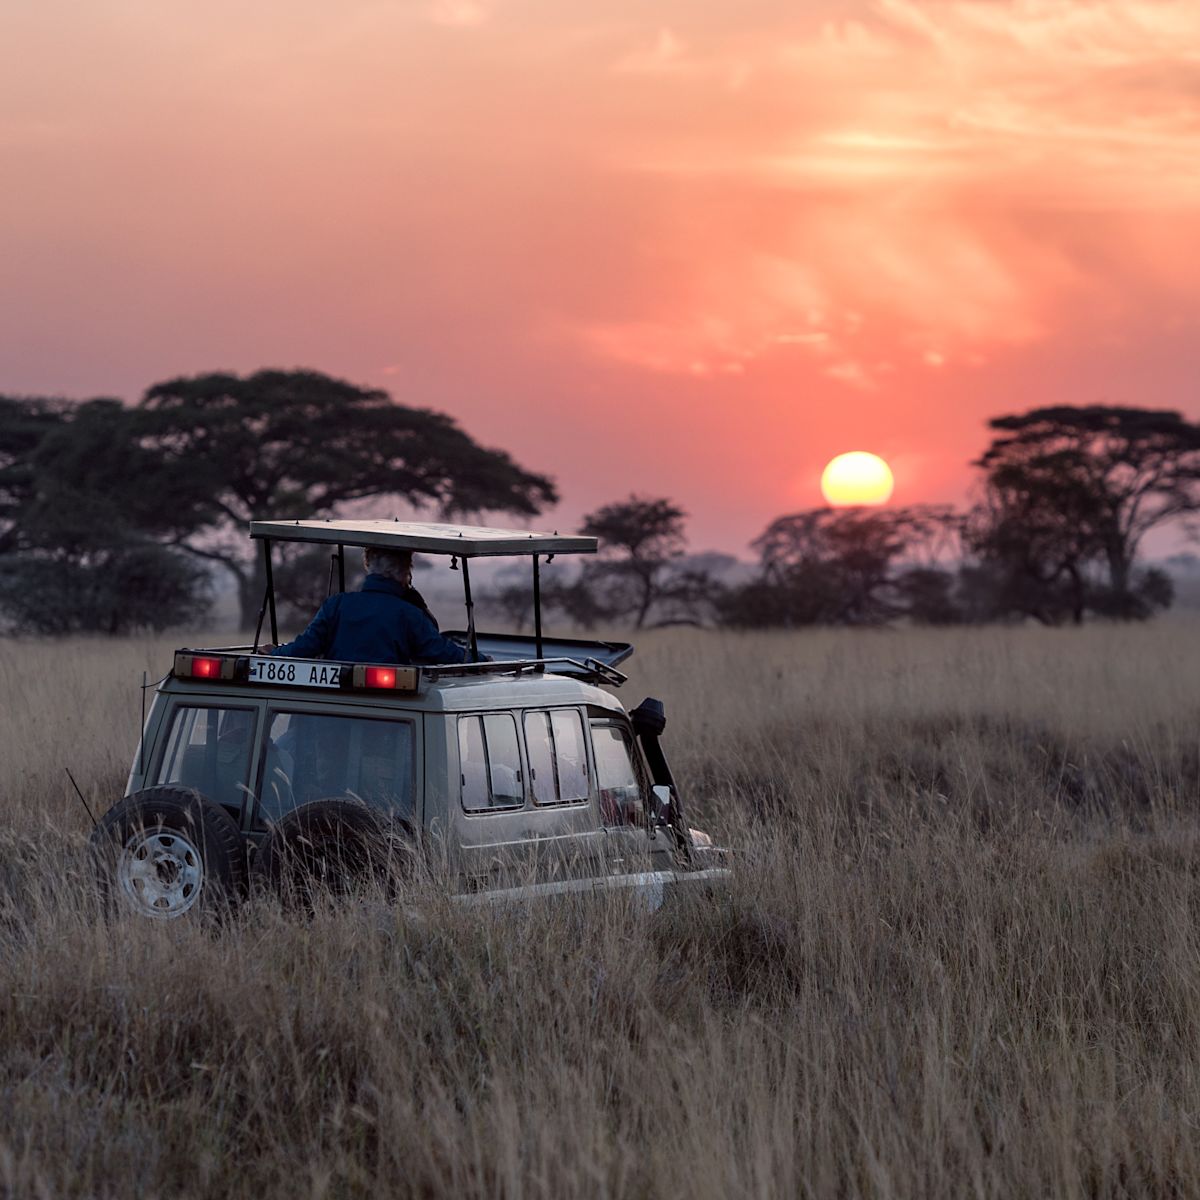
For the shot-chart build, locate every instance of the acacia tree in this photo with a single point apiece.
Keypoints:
(1032, 537)
(25, 423)
(299, 443)
(641, 540)
(81, 513)
(91, 477)
(1068, 486)
(843, 566)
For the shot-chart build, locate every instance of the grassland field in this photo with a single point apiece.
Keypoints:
(959, 957)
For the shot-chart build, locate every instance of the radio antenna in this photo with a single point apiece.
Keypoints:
(142, 737)
(82, 801)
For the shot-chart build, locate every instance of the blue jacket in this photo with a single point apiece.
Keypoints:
(374, 624)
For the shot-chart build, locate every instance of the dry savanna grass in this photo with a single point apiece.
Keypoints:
(959, 957)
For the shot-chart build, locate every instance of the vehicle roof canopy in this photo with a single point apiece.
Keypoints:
(460, 543)
(465, 541)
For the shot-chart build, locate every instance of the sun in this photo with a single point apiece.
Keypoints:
(856, 478)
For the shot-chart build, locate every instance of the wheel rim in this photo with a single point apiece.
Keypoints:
(160, 873)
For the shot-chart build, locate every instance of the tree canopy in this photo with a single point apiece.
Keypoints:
(300, 443)
(102, 487)
(840, 566)
(82, 513)
(640, 538)
(24, 426)
(1115, 473)
(1069, 487)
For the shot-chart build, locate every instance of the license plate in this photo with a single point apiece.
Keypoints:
(294, 672)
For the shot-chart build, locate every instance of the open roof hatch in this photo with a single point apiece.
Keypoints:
(460, 543)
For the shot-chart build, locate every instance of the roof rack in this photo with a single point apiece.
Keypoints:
(460, 542)
(590, 670)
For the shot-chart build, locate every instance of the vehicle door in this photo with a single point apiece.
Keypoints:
(525, 812)
(356, 752)
(209, 748)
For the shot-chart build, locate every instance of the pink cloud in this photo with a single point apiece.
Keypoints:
(937, 186)
(460, 14)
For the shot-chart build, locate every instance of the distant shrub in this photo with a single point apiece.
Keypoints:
(1153, 591)
(121, 589)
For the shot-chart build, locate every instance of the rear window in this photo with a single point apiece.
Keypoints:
(317, 757)
(209, 749)
(557, 757)
(490, 763)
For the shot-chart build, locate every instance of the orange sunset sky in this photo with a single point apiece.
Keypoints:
(692, 249)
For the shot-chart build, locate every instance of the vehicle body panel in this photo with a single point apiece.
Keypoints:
(526, 844)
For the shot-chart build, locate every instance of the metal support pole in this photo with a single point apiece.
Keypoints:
(341, 557)
(271, 591)
(262, 613)
(537, 608)
(472, 641)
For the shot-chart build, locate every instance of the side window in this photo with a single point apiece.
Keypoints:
(490, 762)
(473, 764)
(557, 757)
(620, 793)
(209, 749)
(571, 754)
(314, 757)
(540, 747)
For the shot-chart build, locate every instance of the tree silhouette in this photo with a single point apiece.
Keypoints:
(1068, 486)
(81, 506)
(1032, 538)
(640, 540)
(298, 443)
(840, 566)
(24, 426)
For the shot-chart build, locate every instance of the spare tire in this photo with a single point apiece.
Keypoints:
(336, 845)
(166, 851)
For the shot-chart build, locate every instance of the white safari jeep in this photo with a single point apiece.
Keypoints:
(517, 776)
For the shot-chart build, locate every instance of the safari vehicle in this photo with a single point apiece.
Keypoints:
(520, 774)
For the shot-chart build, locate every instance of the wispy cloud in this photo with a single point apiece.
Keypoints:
(459, 14)
(939, 178)
(664, 52)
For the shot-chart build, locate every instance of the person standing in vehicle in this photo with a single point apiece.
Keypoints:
(386, 620)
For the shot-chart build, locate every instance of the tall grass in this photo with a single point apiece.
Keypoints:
(959, 956)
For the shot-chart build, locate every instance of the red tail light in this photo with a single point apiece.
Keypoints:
(381, 677)
(397, 679)
(205, 666)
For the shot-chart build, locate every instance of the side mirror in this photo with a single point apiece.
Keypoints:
(661, 804)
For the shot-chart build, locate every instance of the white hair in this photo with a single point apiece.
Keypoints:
(391, 564)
